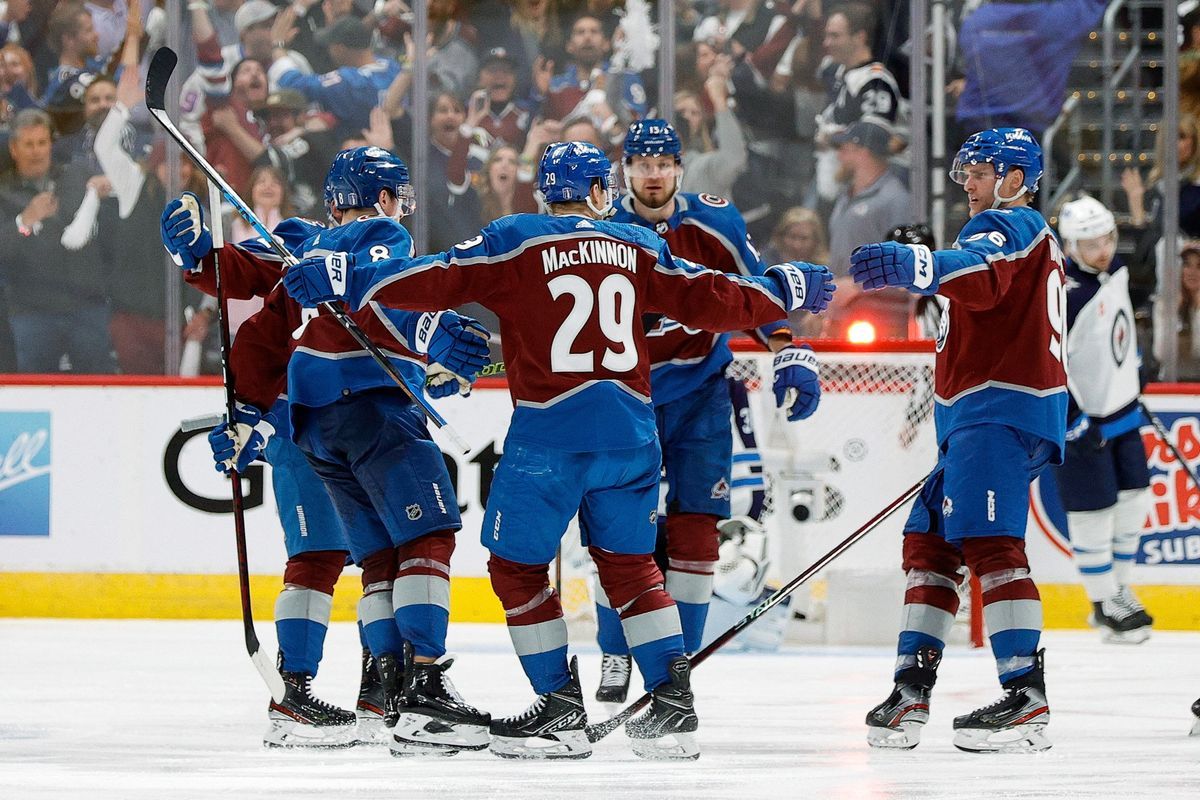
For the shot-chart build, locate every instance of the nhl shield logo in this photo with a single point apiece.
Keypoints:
(413, 511)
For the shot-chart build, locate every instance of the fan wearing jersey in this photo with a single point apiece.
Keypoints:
(369, 445)
(692, 398)
(1104, 481)
(312, 532)
(569, 290)
(1000, 415)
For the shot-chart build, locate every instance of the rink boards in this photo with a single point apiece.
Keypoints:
(108, 510)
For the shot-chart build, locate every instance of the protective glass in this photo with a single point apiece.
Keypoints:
(958, 170)
(407, 199)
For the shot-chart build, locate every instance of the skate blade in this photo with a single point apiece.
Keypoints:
(1135, 636)
(295, 734)
(1195, 728)
(565, 745)
(417, 734)
(672, 747)
(904, 736)
(371, 730)
(1029, 738)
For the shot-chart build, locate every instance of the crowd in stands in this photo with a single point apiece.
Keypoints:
(795, 111)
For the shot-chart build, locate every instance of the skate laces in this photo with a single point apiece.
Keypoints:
(614, 670)
(305, 688)
(534, 709)
(1126, 598)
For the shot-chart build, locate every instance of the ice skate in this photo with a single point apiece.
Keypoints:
(1119, 622)
(1196, 722)
(552, 727)
(667, 730)
(302, 720)
(433, 718)
(371, 707)
(1129, 599)
(614, 678)
(896, 722)
(1014, 723)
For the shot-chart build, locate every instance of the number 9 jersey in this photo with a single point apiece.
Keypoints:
(1001, 344)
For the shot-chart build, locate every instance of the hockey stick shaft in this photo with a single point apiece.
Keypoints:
(266, 669)
(158, 75)
(1165, 435)
(601, 729)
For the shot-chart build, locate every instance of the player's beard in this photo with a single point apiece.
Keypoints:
(668, 192)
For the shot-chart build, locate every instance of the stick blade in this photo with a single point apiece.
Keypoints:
(270, 675)
(162, 65)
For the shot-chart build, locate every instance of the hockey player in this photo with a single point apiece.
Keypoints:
(692, 398)
(569, 290)
(369, 445)
(313, 535)
(1000, 415)
(1104, 482)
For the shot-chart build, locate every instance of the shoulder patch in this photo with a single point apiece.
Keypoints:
(712, 200)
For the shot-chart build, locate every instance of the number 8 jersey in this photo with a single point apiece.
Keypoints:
(1000, 347)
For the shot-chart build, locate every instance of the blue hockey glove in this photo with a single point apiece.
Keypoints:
(458, 343)
(236, 446)
(909, 266)
(797, 381)
(184, 233)
(319, 279)
(802, 285)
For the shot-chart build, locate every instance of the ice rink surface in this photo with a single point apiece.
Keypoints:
(131, 710)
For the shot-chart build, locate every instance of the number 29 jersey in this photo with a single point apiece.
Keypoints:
(1000, 346)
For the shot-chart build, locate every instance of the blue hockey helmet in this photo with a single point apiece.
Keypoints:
(652, 137)
(358, 174)
(567, 171)
(1003, 148)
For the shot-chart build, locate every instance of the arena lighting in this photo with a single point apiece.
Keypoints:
(860, 332)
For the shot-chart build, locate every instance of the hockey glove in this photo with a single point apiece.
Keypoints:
(797, 381)
(441, 382)
(319, 279)
(802, 285)
(184, 233)
(236, 446)
(909, 266)
(458, 343)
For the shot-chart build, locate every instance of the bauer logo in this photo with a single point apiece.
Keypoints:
(25, 473)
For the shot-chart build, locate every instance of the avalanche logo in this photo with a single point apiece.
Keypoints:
(25, 473)
(720, 490)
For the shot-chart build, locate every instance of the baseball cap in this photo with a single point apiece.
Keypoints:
(497, 56)
(288, 99)
(863, 133)
(347, 31)
(253, 12)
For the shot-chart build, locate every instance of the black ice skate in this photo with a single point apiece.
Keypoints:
(552, 727)
(1129, 599)
(1120, 622)
(614, 678)
(667, 731)
(372, 705)
(433, 717)
(1196, 714)
(302, 720)
(896, 722)
(1014, 723)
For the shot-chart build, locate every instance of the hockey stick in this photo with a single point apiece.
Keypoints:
(157, 77)
(601, 729)
(264, 665)
(1165, 435)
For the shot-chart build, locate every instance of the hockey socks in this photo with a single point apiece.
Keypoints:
(1012, 607)
(303, 608)
(376, 616)
(692, 554)
(930, 599)
(533, 614)
(421, 592)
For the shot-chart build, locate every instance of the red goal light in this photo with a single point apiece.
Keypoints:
(860, 332)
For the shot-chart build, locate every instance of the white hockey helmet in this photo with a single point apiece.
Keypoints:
(1085, 218)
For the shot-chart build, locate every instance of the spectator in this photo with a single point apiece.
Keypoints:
(1188, 315)
(77, 111)
(1189, 60)
(541, 133)
(312, 18)
(711, 161)
(857, 86)
(301, 146)
(500, 187)
(585, 87)
(234, 136)
(109, 17)
(73, 36)
(222, 15)
(533, 33)
(13, 14)
(799, 236)
(18, 85)
(872, 202)
(138, 284)
(54, 264)
(451, 46)
(351, 90)
(270, 200)
(259, 27)
(747, 22)
(493, 107)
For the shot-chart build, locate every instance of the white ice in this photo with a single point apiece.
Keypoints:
(133, 709)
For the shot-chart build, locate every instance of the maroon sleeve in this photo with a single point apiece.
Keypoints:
(708, 299)
(259, 357)
(244, 274)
